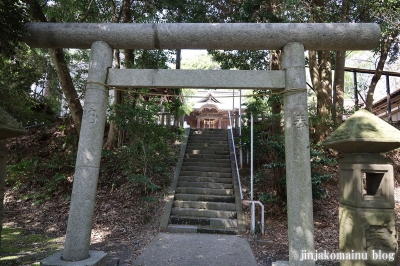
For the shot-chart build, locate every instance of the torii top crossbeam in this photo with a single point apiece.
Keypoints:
(228, 36)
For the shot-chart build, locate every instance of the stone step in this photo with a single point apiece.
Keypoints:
(225, 180)
(207, 156)
(206, 159)
(206, 132)
(207, 169)
(205, 163)
(201, 197)
(204, 200)
(205, 136)
(209, 137)
(206, 145)
(204, 221)
(220, 206)
(205, 185)
(210, 149)
(207, 174)
(217, 231)
(175, 211)
(204, 191)
(207, 152)
(209, 141)
(200, 229)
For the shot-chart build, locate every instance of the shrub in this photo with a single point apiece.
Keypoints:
(150, 149)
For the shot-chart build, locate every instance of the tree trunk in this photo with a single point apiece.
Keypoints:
(276, 127)
(68, 88)
(276, 64)
(338, 88)
(113, 132)
(61, 66)
(324, 96)
(386, 43)
(313, 67)
(177, 66)
(321, 78)
(115, 136)
(338, 83)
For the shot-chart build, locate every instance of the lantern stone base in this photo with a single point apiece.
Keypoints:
(371, 232)
(96, 258)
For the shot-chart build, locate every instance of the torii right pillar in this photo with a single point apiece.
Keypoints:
(297, 153)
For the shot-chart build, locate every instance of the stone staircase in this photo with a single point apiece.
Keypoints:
(204, 200)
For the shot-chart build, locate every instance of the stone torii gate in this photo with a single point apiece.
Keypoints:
(293, 39)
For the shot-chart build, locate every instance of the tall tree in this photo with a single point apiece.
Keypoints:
(320, 65)
(58, 58)
(321, 78)
(338, 82)
(114, 135)
(128, 11)
(386, 13)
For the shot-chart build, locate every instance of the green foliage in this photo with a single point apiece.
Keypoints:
(269, 154)
(318, 156)
(242, 59)
(318, 160)
(257, 106)
(266, 197)
(325, 120)
(78, 65)
(150, 150)
(26, 67)
(316, 181)
(21, 172)
(152, 59)
(203, 61)
(194, 11)
(386, 13)
(45, 171)
(77, 11)
(12, 17)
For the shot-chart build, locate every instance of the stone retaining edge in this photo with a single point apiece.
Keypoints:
(238, 200)
(171, 191)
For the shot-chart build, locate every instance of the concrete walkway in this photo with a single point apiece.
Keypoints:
(196, 250)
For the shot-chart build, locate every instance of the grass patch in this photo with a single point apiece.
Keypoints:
(19, 248)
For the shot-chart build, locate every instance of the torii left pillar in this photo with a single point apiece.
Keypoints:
(77, 242)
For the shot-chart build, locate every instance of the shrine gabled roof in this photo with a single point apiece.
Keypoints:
(209, 98)
(9, 127)
(223, 99)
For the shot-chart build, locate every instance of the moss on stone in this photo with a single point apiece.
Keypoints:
(364, 132)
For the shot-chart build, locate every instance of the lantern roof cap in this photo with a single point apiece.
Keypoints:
(363, 132)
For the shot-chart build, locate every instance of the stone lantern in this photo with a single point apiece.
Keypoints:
(9, 128)
(368, 234)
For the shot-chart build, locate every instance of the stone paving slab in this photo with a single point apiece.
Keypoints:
(196, 250)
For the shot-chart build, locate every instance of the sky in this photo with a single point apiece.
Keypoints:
(186, 53)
